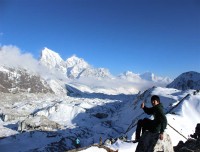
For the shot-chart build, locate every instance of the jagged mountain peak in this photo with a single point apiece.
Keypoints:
(187, 80)
(76, 61)
(51, 60)
(76, 66)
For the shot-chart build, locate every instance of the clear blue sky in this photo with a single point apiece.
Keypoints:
(160, 36)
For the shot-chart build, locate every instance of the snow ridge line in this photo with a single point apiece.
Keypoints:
(178, 103)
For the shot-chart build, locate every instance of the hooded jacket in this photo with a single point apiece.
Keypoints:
(160, 120)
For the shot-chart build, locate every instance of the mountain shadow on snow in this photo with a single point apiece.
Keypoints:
(74, 92)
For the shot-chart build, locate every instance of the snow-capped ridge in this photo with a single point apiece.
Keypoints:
(76, 66)
(147, 76)
(76, 61)
(49, 55)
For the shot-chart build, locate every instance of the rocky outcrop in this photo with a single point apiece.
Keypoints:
(20, 80)
(38, 123)
(187, 80)
(192, 144)
(12, 116)
(150, 142)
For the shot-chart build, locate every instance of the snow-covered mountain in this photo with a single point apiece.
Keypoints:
(147, 76)
(52, 60)
(73, 67)
(19, 80)
(86, 78)
(32, 118)
(77, 68)
(187, 80)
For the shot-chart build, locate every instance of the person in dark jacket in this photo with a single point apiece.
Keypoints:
(158, 124)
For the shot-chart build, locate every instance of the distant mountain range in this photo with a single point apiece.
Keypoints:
(75, 67)
(148, 76)
(58, 101)
(53, 74)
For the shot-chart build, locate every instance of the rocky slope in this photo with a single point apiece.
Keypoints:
(187, 80)
(192, 144)
(19, 80)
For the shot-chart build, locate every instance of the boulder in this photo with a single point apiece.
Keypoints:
(150, 142)
(192, 144)
(41, 123)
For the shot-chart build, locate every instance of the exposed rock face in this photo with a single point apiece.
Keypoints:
(187, 80)
(150, 142)
(191, 145)
(19, 80)
(38, 123)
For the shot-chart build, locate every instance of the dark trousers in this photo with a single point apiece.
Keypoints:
(143, 125)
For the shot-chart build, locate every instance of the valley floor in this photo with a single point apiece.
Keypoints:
(42, 122)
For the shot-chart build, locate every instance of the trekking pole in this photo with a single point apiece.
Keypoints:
(178, 103)
(177, 131)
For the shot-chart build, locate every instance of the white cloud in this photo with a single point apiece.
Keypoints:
(11, 56)
(113, 86)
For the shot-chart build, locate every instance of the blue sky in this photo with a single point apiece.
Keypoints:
(159, 36)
